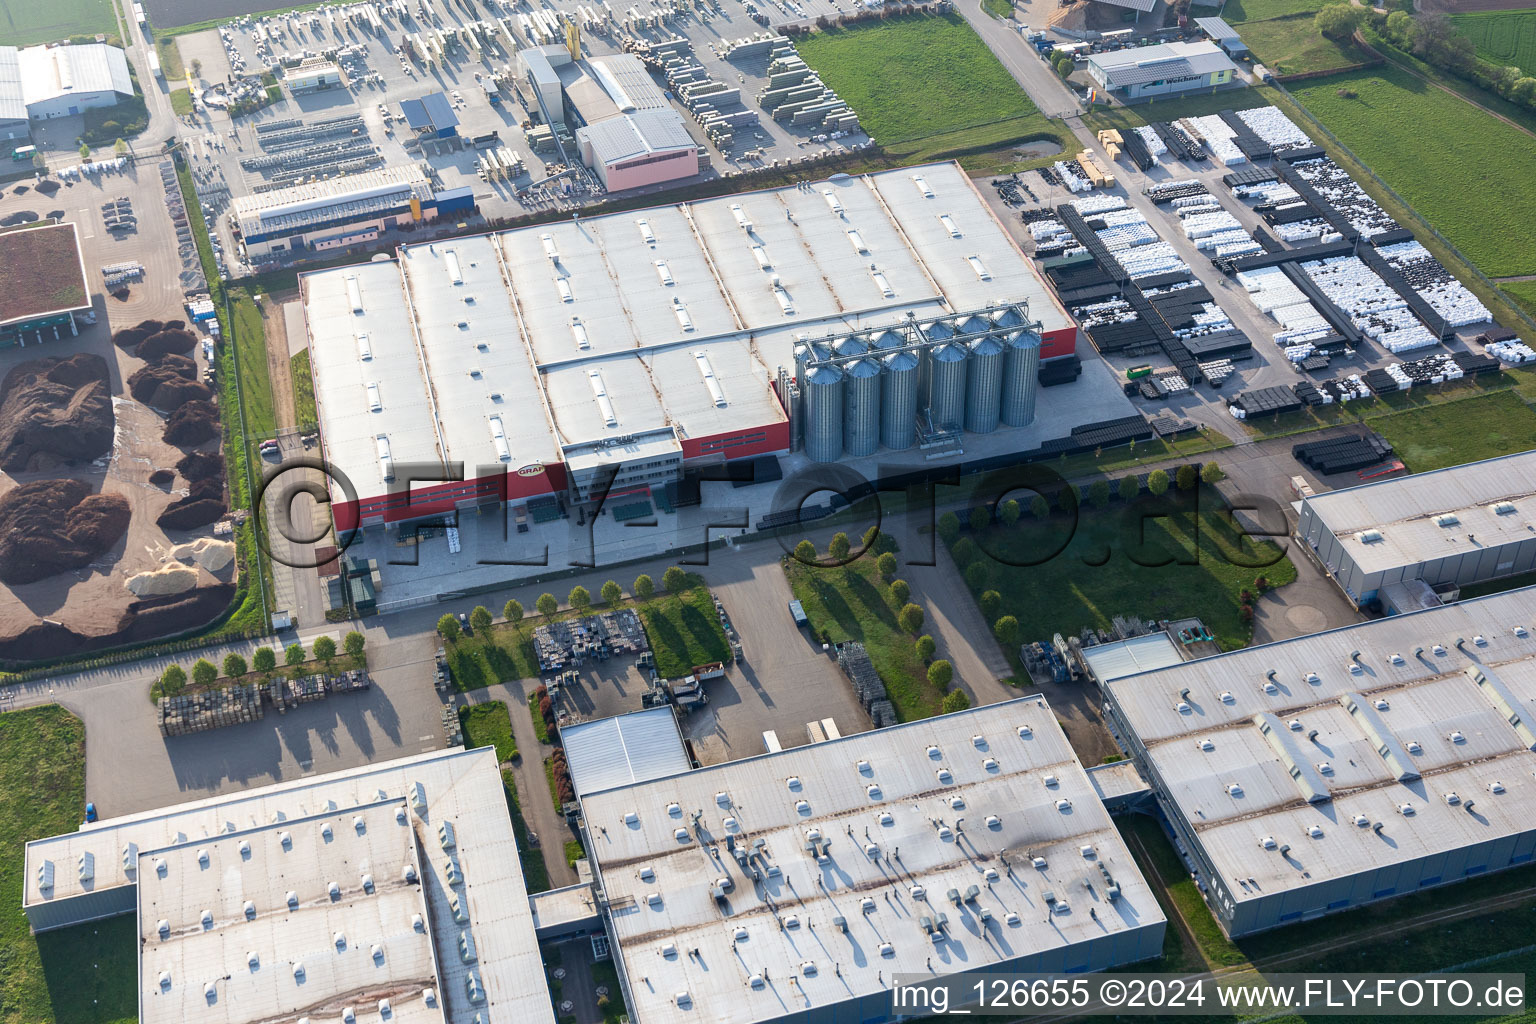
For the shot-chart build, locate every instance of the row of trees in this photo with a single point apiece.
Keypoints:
(264, 662)
(674, 581)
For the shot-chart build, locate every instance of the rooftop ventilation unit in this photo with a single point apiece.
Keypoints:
(1226, 697)
(881, 282)
(1324, 768)
(857, 241)
(499, 440)
(375, 403)
(1495, 787)
(1038, 863)
(600, 392)
(579, 333)
(742, 220)
(944, 775)
(1315, 831)
(386, 471)
(664, 274)
(833, 203)
(949, 225)
(1457, 737)
(1502, 508)
(957, 803)
(681, 312)
(1267, 842)
(86, 866)
(761, 255)
(782, 297)
(447, 835)
(1368, 536)
(922, 186)
(354, 293)
(646, 234)
(873, 789)
(710, 380)
(1406, 810)
(989, 763)
(451, 262)
(1452, 798)
(1063, 805)
(1182, 707)
(1205, 743)
(1234, 789)
(1448, 519)
(793, 782)
(364, 346)
(980, 268)
(563, 286)
(549, 247)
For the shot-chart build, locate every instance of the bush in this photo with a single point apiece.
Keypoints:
(612, 593)
(1006, 629)
(645, 587)
(901, 590)
(1039, 506)
(325, 649)
(805, 553)
(265, 659)
(1245, 612)
(839, 547)
(674, 580)
(579, 598)
(480, 618)
(872, 538)
(1157, 482)
(547, 604)
(949, 526)
(1261, 583)
(1186, 478)
(1129, 488)
(1008, 512)
(234, 665)
(925, 647)
(354, 643)
(941, 673)
(977, 575)
(1338, 21)
(1210, 473)
(886, 564)
(1098, 493)
(293, 654)
(204, 672)
(910, 618)
(955, 700)
(173, 680)
(991, 603)
(448, 628)
(980, 517)
(964, 552)
(1066, 498)
(512, 611)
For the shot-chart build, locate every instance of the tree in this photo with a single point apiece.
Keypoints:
(173, 680)
(547, 605)
(1157, 482)
(293, 655)
(886, 564)
(39, 162)
(480, 618)
(1098, 493)
(941, 673)
(264, 660)
(1066, 498)
(1210, 473)
(204, 672)
(1065, 67)
(512, 611)
(949, 526)
(1338, 21)
(1186, 478)
(85, 151)
(448, 628)
(839, 547)
(872, 538)
(234, 665)
(325, 649)
(991, 602)
(925, 647)
(579, 598)
(910, 618)
(964, 552)
(1400, 28)
(1437, 40)
(901, 590)
(805, 553)
(955, 700)
(977, 576)
(612, 593)
(1039, 506)
(980, 517)
(1129, 487)
(119, 148)
(1008, 512)
(645, 587)
(353, 643)
(674, 580)
(1006, 629)
(1523, 91)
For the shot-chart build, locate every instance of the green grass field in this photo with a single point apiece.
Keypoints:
(489, 725)
(1246, 11)
(303, 391)
(1437, 436)
(915, 76)
(1503, 37)
(181, 102)
(684, 630)
(1059, 576)
(1493, 175)
(1290, 46)
(81, 974)
(1524, 294)
(24, 22)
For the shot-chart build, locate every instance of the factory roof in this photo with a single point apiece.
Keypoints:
(1144, 6)
(1216, 28)
(1356, 748)
(207, 866)
(1409, 520)
(585, 93)
(879, 833)
(431, 112)
(624, 137)
(610, 752)
(42, 273)
(1128, 657)
(1143, 64)
(301, 207)
(627, 82)
(13, 99)
(50, 72)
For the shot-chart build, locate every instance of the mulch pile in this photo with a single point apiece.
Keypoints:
(192, 424)
(52, 526)
(203, 504)
(168, 384)
(146, 619)
(55, 411)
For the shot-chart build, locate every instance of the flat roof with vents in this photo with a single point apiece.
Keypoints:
(1351, 722)
(300, 837)
(824, 842)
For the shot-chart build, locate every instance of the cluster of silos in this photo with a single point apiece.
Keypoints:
(954, 376)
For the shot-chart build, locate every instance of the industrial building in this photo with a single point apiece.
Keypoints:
(43, 286)
(1398, 542)
(603, 354)
(41, 82)
(1223, 35)
(313, 74)
(431, 116)
(340, 212)
(609, 752)
(389, 892)
(1167, 69)
(1334, 770)
(800, 884)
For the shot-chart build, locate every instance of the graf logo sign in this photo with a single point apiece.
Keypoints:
(537, 469)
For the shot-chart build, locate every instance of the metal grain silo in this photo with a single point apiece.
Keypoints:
(861, 408)
(973, 324)
(1021, 380)
(984, 385)
(850, 345)
(882, 341)
(898, 399)
(822, 398)
(946, 385)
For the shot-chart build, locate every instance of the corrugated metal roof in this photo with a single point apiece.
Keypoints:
(1144, 6)
(13, 103)
(1127, 657)
(49, 72)
(628, 82)
(1216, 28)
(638, 134)
(612, 752)
(431, 111)
(1139, 65)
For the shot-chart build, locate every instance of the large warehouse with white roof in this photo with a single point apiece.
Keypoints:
(1334, 770)
(545, 358)
(801, 883)
(1444, 529)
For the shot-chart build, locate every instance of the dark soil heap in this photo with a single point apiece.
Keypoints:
(201, 466)
(203, 504)
(168, 384)
(55, 411)
(192, 424)
(52, 526)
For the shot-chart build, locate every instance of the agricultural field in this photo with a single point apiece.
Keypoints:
(1242, 12)
(1524, 294)
(25, 22)
(1503, 37)
(916, 76)
(1418, 139)
(1437, 436)
(1291, 46)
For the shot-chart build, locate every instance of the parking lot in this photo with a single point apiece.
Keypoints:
(365, 40)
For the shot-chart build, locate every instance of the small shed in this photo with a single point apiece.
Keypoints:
(1223, 35)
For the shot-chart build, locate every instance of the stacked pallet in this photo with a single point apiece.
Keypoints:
(1343, 454)
(1264, 402)
(214, 709)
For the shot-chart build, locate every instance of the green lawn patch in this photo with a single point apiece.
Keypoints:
(851, 602)
(1524, 294)
(535, 873)
(181, 102)
(1437, 436)
(504, 656)
(605, 975)
(87, 973)
(914, 76)
(684, 630)
(539, 728)
(489, 725)
(1237, 12)
(170, 58)
(1391, 105)
(1162, 558)
(1502, 37)
(303, 392)
(574, 851)
(1291, 46)
(998, 8)
(549, 779)
(24, 22)
(1102, 117)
